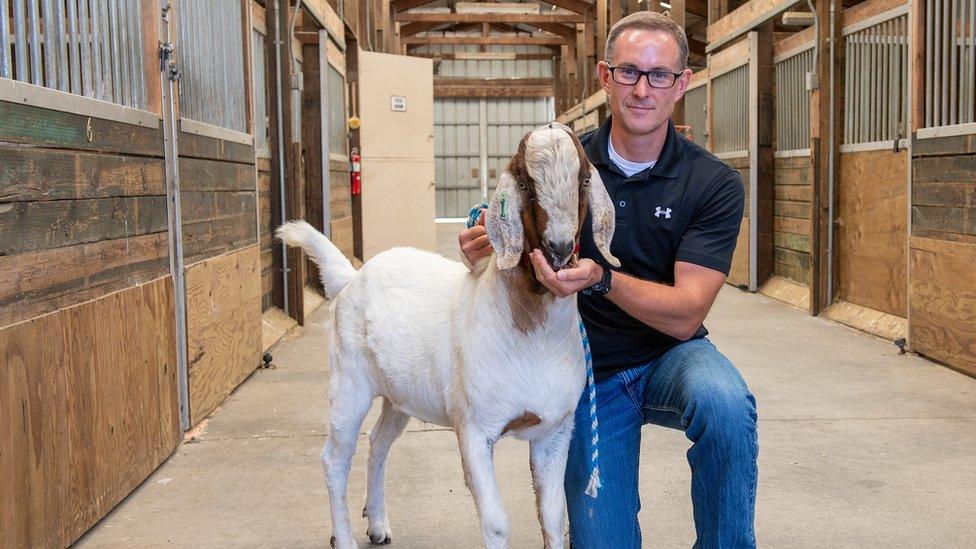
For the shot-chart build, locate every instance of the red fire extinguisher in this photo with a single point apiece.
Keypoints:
(355, 174)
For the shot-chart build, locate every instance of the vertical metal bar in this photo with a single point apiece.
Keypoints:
(33, 18)
(87, 81)
(133, 54)
(886, 85)
(174, 217)
(74, 48)
(62, 47)
(104, 38)
(954, 22)
(139, 56)
(929, 56)
(848, 89)
(124, 53)
(864, 86)
(50, 61)
(971, 70)
(944, 99)
(4, 41)
(222, 43)
(875, 36)
(20, 38)
(113, 31)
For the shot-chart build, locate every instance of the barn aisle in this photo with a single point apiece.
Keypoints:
(860, 447)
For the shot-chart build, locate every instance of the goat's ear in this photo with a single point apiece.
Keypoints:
(603, 216)
(504, 222)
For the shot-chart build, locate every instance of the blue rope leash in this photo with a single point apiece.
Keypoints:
(594, 484)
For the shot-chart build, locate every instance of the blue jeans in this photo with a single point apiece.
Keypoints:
(693, 388)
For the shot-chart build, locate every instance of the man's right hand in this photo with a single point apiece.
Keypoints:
(474, 242)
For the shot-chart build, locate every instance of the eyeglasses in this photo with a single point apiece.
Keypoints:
(656, 78)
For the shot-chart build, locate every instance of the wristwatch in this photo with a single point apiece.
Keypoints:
(603, 286)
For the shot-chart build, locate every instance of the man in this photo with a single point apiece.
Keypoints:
(678, 214)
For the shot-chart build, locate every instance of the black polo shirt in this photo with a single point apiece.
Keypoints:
(687, 207)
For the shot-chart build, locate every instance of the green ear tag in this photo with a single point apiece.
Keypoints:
(503, 202)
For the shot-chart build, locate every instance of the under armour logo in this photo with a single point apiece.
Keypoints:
(658, 212)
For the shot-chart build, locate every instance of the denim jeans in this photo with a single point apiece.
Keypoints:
(693, 388)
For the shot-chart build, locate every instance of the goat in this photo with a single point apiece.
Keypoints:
(488, 353)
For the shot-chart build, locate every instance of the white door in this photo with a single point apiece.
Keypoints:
(396, 104)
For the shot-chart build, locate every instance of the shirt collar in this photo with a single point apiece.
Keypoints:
(668, 163)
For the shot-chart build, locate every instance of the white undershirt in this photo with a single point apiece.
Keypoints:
(629, 168)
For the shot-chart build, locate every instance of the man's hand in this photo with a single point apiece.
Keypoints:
(566, 282)
(474, 242)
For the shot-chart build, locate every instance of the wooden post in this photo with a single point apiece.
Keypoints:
(761, 73)
(820, 150)
(678, 16)
(150, 44)
(601, 27)
(616, 12)
(717, 9)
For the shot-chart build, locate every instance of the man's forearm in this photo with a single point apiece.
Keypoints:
(668, 309)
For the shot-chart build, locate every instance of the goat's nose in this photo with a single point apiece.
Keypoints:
(560, 250)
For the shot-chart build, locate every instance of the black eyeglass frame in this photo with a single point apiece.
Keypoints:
(645, 74)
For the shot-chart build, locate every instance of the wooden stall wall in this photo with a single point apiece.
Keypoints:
(87, 327)
(266, 234)
(791, 218)
(739, 274)
(222, 264)
(943, 251)
(872, 232)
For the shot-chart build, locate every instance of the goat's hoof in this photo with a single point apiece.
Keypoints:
(332, 541)
(379, 538)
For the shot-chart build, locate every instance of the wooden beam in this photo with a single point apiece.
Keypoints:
(717, 9)
(511, 18)
(493, 87)
(411, 29)
(798, 18)
(697, 7)
(577, 6)
(747, 17)
(488, 41)
(559, 30)
(492, 56)
(401, 6)
(601, 27)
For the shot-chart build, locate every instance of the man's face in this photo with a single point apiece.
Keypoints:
(640, 109)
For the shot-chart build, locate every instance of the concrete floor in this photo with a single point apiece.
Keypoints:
(859, 447)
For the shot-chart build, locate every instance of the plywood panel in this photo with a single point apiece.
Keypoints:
(39, 282)
(739, 273)
(879, 323)
(88, 395)
(871, 234)
(223, 326)
(787, 291)
(943, 302)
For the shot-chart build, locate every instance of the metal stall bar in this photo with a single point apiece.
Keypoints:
(33, 17)
(953, 61)
(74, 48)
(4, 41)
(113, 31)
(87, 80)
(20, 39)
(123, 60)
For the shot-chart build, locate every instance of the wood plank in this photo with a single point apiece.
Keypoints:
(275, 325)
(89, 400)
(794, 176)
(879, 323)
(783, 208)
(793, 162)
(32, 226)
(798, 260)
(197, 174)
(211, 238)
(729, 58)
(793, 192)
(791, 225)
(962, 195)
(943, 219)
(215, 206)
(199, 146)
(50, 174)
(739, 272)
(511, 18)
(939, 146)
(795, 242)
(948, 168)
(796, 274)
(787, 291)
(871, 235)
(37, 126)
(745, 18)
(35, 283)
(492, 87)
(868, 9)
(223, 327)
(943, 303)
(496, 40)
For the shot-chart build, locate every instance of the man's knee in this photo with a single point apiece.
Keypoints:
(728, 416)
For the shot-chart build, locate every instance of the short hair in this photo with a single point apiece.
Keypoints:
(649, 21)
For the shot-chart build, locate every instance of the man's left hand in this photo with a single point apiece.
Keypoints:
(568, 281)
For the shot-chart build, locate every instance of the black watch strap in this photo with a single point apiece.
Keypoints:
(603, 286)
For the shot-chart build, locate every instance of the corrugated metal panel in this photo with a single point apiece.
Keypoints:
(730, 101)
(458, 148)
(695, 115)
(793, 102)
(211, 49)
(260, 93)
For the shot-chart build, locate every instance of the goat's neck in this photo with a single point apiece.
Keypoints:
(517, 291)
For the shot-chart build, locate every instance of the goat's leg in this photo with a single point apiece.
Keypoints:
(547, 458)
(350, 403)
(479, 474)
(388, 427)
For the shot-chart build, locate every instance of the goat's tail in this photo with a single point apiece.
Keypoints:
(334, 268)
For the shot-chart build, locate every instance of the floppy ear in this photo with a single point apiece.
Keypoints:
(504, 222)
(602, 215)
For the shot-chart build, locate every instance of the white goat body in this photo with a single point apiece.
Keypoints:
(445, 346)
